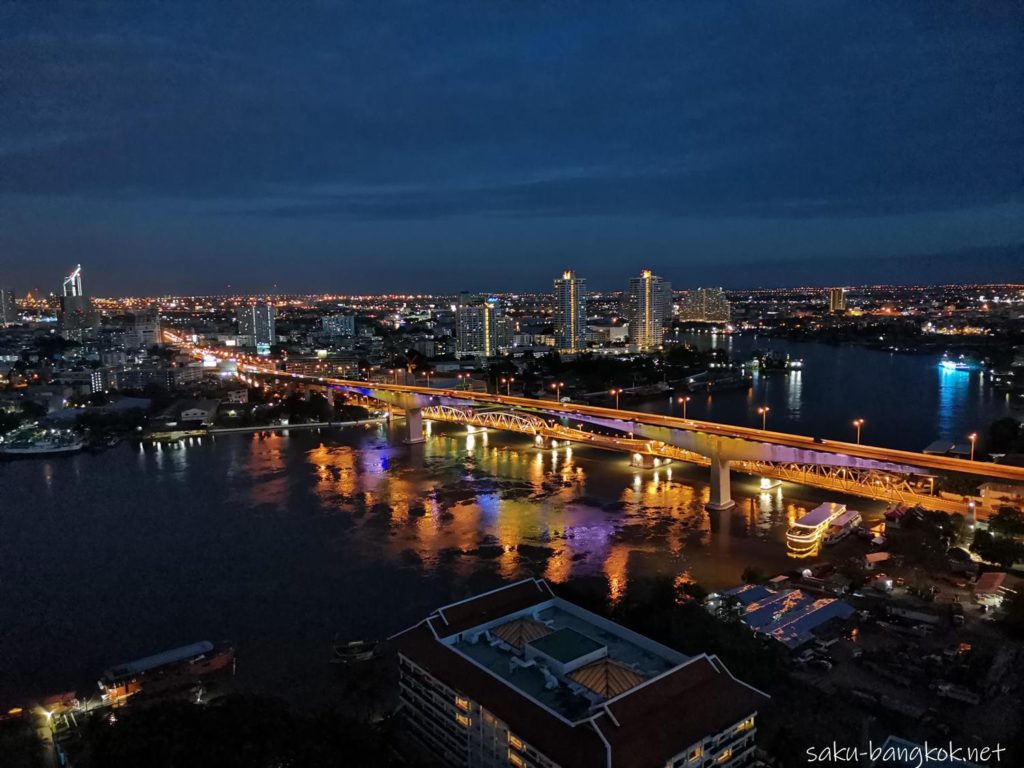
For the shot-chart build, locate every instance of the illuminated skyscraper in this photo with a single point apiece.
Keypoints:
(77, 317)
(648, 307)
(706, 305)
(256, 325)
(571, 312)
(483, 328)
(836, 299)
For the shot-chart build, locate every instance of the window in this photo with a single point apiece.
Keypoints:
(489, 719)
(724, 757)
(695, 754)
(746, 725)
(516, 760)
(462, 720)
(462, 703)
(515, 742)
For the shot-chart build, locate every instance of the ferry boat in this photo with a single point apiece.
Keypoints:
(962, 363)
(174, 670)
(842, 526)
(804, 536)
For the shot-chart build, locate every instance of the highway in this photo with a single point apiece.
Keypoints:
(923, 460)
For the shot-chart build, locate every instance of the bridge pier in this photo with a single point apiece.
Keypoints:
(414, 425)
(721, 494)
(542, 441)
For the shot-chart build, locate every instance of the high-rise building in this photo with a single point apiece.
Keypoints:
(144, 330)
(520, 677)
(8, 307)
(77, 317)
(256, 325)
(706, 305)
(338, 325)
(836, 299)
(648, 307)
(571, 312)
(483, 328)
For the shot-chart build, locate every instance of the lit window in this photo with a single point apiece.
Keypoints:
(462, 703)
(746, 725)
(515, 759)
(724, 757)
(515, 742)
(462, 720)
(695, 754)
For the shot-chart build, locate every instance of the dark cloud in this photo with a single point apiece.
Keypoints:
(333, 114)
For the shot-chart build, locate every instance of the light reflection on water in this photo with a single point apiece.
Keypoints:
(296, 535)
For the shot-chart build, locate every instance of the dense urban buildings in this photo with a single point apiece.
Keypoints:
(647, 306)
(707, 305)
(520, 677)
(570, 312)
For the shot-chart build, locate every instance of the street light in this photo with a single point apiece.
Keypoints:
(558, 390)
(763, 410)
(858, 423)
(464, 378)
(616, 393)
(684, 401)
(508, 384)
(973, 437)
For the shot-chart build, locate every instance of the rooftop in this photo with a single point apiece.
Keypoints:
(615, 710)
(788, 615)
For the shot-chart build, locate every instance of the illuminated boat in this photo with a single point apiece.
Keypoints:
(174, 670)
(805, 535)
(842, 526)
(961, 363)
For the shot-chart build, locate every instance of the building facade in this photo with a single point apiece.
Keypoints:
(8, 307)
(648, 308)
(519, 677)
(77, 317)
(257, 325)
(144, 329)
(338, 325)
(482, 327)
(705, 305)
(836, 299)
(570, 312)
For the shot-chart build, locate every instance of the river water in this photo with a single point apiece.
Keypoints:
(278, 541)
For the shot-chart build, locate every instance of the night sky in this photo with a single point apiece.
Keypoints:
(436, 146)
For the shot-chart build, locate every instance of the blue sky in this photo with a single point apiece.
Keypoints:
(364, 147)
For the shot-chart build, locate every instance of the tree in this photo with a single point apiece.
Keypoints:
(1008, 521)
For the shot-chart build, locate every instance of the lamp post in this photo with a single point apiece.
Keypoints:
(858, 423)
(684, 401)
(557, 386)
(616, 393)
(508, 384)
(763, 410)
(463, 380)
(973, 437)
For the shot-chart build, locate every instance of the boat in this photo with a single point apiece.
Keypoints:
(961, 363)
(805, 535)
(49, 445)
(175, 670)
(355, 651)
(717, 381)
(842, 527)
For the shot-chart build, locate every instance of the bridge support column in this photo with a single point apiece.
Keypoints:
(721, 495)
(414, 425)
(542, 441)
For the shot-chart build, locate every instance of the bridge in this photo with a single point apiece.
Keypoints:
(866, 470)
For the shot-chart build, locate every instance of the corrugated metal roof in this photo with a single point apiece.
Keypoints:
(159, 659)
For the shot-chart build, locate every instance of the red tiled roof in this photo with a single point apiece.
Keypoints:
(492, 605)
(570, 746)
(700, 698)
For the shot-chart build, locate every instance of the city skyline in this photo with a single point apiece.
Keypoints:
(716, 146)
